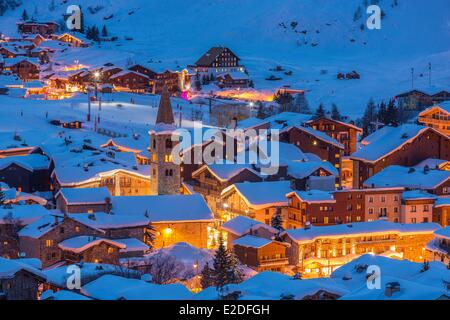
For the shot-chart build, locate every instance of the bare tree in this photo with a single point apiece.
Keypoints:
(165, 268)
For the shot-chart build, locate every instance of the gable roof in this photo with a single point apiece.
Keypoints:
(226, 171)
(406, 177)
(83, 243)
(387, 140)
(259, 195)
(241, 225)
(164, 208)
(250, 241)
(84, 195)
(9, 267)
(209, 57)
(320, 136)
(338, 122)
(313, 196)
(30, 162)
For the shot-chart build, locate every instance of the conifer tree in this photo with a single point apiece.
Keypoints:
(25, 15)
(277, 220)
(150, 232)
(104, 31)
(320, 112)
(225, 267)
(370, 115)
(207, 277)
(335, 114)
(301, 104)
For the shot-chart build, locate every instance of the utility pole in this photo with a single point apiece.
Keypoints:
(89, 105)
(429, 74)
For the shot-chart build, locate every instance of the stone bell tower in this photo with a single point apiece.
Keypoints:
(164, 173)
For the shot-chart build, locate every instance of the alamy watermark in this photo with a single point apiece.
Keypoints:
(373, 277)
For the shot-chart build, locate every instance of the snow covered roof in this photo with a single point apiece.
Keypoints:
(104, 221)
(83, 243)
(373, 227)
(30, 162)
(226, 171)
(40, 227)
(250, 241)
(132, 245)
(279, 121)
(259, 195)
(12, 61)
(9, 267)
(313, 196)
(241, 225)
(399, 176)
(84, 195)
(443, 233)
(387, 140)
(442, 202)
(303, 169)
(63, 295)
(164, 208)
(269, 285)
(321, 136)
(111, 287)
(24, 214)
(126, 72)
(432, 163)
(417, 195)
(234, 75)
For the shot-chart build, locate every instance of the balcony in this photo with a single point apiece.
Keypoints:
(273, 262)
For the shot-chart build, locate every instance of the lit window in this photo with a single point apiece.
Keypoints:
(48, 243)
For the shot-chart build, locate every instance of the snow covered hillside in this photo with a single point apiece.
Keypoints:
(315, 39)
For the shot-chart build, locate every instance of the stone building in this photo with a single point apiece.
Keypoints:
(165, 173)
(83, 200)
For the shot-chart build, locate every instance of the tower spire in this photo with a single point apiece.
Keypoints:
(165, 114)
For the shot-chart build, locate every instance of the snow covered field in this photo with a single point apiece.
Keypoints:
(326, 39)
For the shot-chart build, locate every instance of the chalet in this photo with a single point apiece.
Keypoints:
(130, 81)
(438, 249)
(107, 72)
(241, 226)
(318, 251)
(19, 280)
(45, 29)
(83, 200)
(406, 145)
(345, 133)
(441, 96)
(9, 52)
(143, 70)
(433, 181)
(28, 173)
(40, 239)
(176, 81)
(116, 171)
(437, 117)
(414, 100)
(75, 41)
(316, 142)
(211, 180)
(233, 80)
(91, 249)
(441, 211)
(312, 175)
(261, 254)
(257, 200)
(81, 77)
(27, 69)
(217, 60)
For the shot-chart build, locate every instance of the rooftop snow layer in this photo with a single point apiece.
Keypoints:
(85, 195)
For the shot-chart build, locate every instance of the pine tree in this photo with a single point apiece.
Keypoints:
(370, 115)
(382, 115)
(104, 31)
(301, 104)
(207, 277)
(277, 220)
(392, 113)
(225, 267)
(2, 198)
(335, 114)
(150, 232)
(25, 15)
(285, 101)
(320, 112)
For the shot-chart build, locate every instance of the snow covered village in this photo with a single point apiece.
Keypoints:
(224, 150)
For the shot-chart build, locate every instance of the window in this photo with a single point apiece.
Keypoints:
(49, 243)
(358, 218)
(426, 208)
(370, 210)
(61, 230)
(110, 250)
(325, 220)
(77, 229)
(413, 220)
(395, 198)
(413, 209)
(371, 199)
(383, 199)
(267, 212)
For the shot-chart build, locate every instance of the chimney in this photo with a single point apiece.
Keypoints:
(391, 288)
(307, 225)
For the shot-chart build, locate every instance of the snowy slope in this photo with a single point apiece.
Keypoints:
(177, 32)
